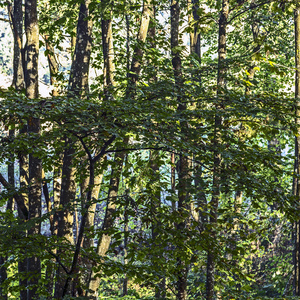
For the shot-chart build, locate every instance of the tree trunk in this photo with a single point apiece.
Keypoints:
(104, 240)
(296, 184)
(88, 241)
(78, 87)
(16, 20)
(3, 277)
(19, 84)
(195, 37)
(195, 49)
(18, 79)
(80, 67)
(53, 66)
(108, 53)
(63, 220)
(24, 180)
(135, 67)
(125, 280)
(35, 163)
(57, 182)
(184, 175)
(221, 84)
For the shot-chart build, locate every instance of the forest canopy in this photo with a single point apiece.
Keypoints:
(162, 161)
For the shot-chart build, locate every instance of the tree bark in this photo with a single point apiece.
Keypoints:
(78, 87)
(80, 67)
(63, 220)
(108, 52)
(105, 238)
(126, 227)
(24, 181)
(35, 163)
(195, 49)
(88, 240)
(221, 84)
(53, 66)
(3, 277)
(184, 175)
(195, 36)
(135, 67)
(18, 79)
(296, 183)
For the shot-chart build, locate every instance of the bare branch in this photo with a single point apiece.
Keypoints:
(4, 20)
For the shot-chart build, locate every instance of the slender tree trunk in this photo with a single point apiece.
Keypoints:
(88, 241)
(251, 72)
(53, 66)
(78, 87)
(57, 180)
(80, 67)
(184, 175)
(35, 163)
(18, 79)
(221, 82)
(64, 216)
(108, 72)
(104, 240)
(56, 186)
(154, 172)
(108, 53)
(9, 207)
(296, 184)
(63, 220)
(201, 198)
(160, 289)
(74, 266)
(72, 274)
(3, 277)
(135, 67)
(195, 49)
(24, 181)
(35, 205)
(173, 179)
(195, 36)
(125, 281)
(19, 84)
(50, 269)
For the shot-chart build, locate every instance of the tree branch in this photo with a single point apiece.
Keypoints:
(247, 9)
(103, 150)
(136, 149)
(59, 262)
(19, 199)
(4, 20)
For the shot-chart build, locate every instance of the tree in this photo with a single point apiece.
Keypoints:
(151, 162)
(296, 184)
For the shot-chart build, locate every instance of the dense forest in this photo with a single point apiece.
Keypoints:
(162, 162)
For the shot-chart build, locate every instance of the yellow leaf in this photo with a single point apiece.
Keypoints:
(271, 63)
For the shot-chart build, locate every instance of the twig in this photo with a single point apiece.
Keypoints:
(4, 20)
(58, 260)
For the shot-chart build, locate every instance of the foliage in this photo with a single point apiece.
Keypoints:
(250, 241)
